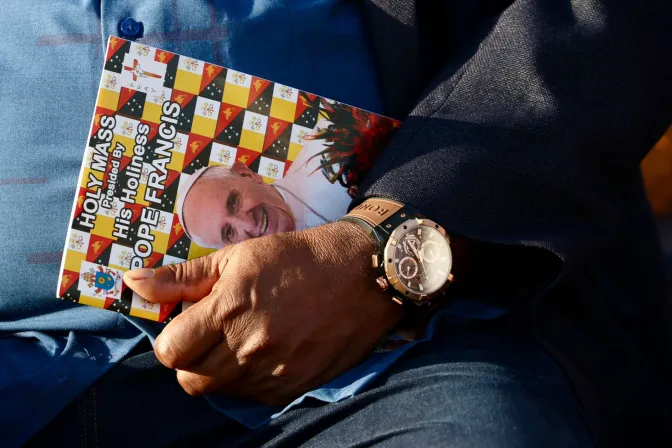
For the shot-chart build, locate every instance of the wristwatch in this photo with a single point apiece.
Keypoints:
(412, 253)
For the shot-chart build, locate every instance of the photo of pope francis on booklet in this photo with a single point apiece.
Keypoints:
(221, 205)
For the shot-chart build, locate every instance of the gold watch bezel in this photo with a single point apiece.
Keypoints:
(388, 261)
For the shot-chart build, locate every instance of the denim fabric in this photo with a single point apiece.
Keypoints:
(482, 386)
(51, 55)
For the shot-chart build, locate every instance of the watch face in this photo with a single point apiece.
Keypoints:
(422, 259)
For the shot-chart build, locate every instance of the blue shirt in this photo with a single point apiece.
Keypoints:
(51, 56)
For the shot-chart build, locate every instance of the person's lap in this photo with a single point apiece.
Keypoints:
(487, 385)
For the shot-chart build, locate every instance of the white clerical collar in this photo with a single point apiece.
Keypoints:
(300, 209)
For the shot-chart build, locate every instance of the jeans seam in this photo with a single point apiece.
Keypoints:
(95, 415)
(84, 435)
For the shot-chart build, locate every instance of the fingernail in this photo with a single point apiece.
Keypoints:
(139, 274)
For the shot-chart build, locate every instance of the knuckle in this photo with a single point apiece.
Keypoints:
(180, 273)
(280, 371)
(256, 345)
(192, 269)
(229, 307)
(224, 256)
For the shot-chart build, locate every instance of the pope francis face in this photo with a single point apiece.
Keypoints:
(229, 205)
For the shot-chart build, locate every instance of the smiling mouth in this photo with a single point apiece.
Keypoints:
(264, 222)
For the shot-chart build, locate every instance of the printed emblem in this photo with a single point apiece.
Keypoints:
(125, 258)
(126, 128)
(162, 223)
(239, 78)
(207, 109)
(272, 170)
(255, 123)
(224, 155)
(101, 280)
(138, 72)
(160, 99)
(177, 142)
(286, 92)
(302, 136)
(142, 50)
(76, 242)
(191, 64)
(110, 81)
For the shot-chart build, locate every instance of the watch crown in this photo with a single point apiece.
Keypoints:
(375, 260)
(382, 282)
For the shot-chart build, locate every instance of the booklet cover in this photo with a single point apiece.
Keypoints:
(184, 157)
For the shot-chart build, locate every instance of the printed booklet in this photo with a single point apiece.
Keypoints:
(184, 157)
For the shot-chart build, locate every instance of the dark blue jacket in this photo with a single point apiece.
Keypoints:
(531, 122)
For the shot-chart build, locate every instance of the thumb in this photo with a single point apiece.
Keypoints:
(190, 281)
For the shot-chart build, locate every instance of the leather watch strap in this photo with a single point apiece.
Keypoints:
(375, 211)
(371, 214)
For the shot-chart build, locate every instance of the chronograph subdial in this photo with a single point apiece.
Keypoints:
(408, 268)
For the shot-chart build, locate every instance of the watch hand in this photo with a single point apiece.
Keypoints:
(417, 254)
(414, 249)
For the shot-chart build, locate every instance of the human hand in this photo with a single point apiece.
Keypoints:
(275, 316)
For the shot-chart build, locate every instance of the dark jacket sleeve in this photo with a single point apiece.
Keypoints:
(535, 139)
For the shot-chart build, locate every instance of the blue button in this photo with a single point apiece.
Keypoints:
(130, 29)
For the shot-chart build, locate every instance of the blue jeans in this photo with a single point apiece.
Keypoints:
(481, 386)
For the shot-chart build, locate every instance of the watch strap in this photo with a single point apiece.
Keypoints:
(370, 216)
(375, 211)
(380, 217)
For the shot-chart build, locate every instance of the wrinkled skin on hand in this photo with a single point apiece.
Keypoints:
(275, 316)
